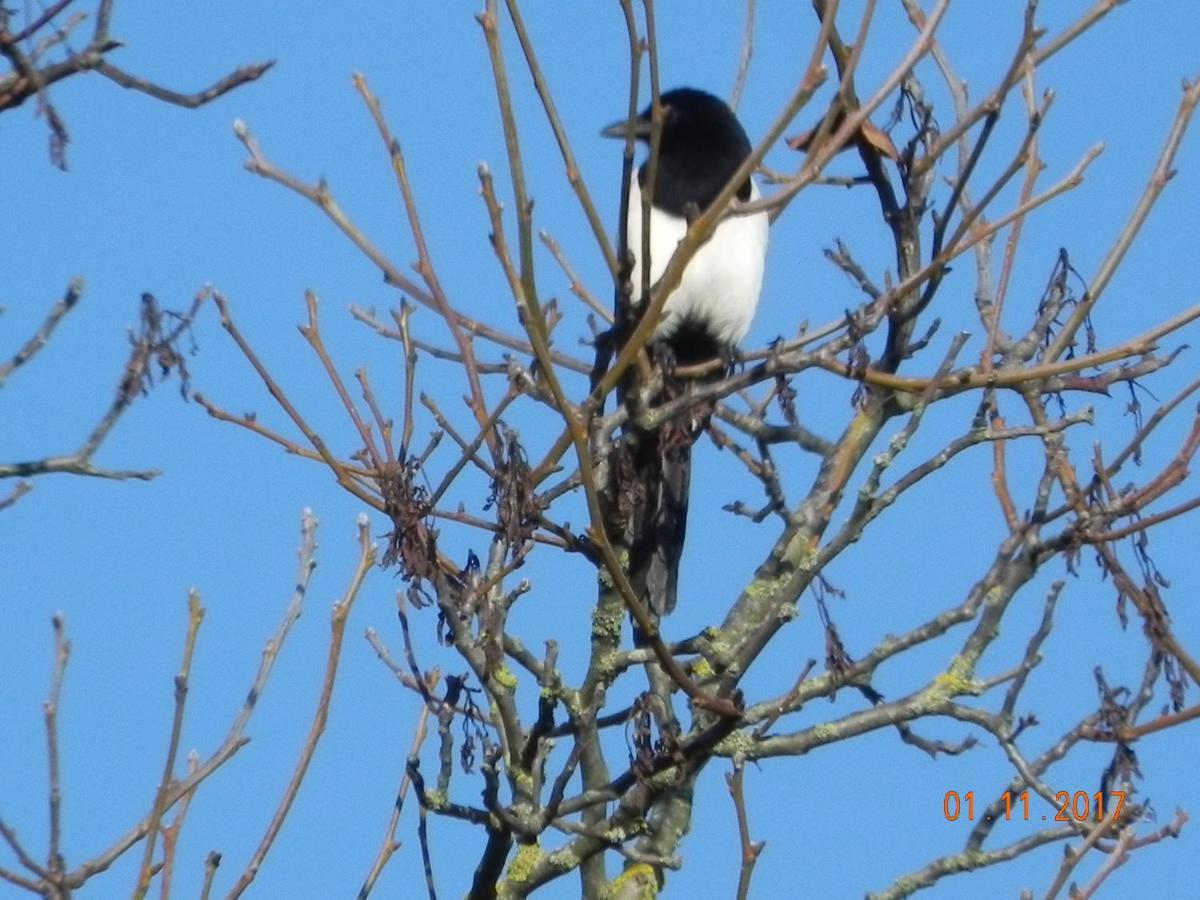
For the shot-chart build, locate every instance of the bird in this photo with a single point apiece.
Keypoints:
(702, 144)
(707, 315)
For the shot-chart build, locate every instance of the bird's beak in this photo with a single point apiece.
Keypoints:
(623, 128)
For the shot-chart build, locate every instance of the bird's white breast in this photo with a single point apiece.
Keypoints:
(722, 281)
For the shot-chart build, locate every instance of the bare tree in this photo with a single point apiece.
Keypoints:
(571, 782)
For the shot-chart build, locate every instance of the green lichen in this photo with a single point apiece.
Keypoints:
(563, 860)
(570, 699)
(957, 680)
(800, 553)
(737, 745)
(505, 678)
(638, 882)
(664, 780)
(606, 665)
(825, 733)
(607, 621)
(975, 859)
(703, 669)
(522, 779)
(767, 587)
(606, 579)
(525, 861)
(945, 686)
(718, 643)
(435, 800)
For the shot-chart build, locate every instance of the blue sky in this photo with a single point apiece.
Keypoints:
(157, 200)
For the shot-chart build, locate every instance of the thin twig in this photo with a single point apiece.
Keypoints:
(42, 336)
(236, 78)
(62, 653)
(236, 738)
(1164, 169)
(158, 808)
(170, 834)
(341, 611)
(751, 850)
(390, 844)
(739, 81)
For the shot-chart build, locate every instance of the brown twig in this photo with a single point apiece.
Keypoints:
(153, 351)
(170, 834)
(1000, 478)
(574, 178)
(751, 850)
(425, 265)
(22, 488)
(211, 862)
(390, 844)
(32, 78)
(967, 379)
(320, 195)
(236, 738)
(42, 336)
(158, 808)
(1163, 171)
(739, 81)
(341, 611)
(339, 470)
(236, 78)
(36, 25)
(578, 288)
(1072, 857)
(312, 334)
(62, 653)
(250, 423)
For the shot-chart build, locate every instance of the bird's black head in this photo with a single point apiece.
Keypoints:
(701, 147)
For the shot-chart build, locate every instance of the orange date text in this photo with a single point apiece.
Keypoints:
(1079, 806)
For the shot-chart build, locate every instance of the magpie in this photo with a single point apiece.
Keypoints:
(705, 317)
(701, 146)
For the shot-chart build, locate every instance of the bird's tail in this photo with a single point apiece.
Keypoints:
(663, 468)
